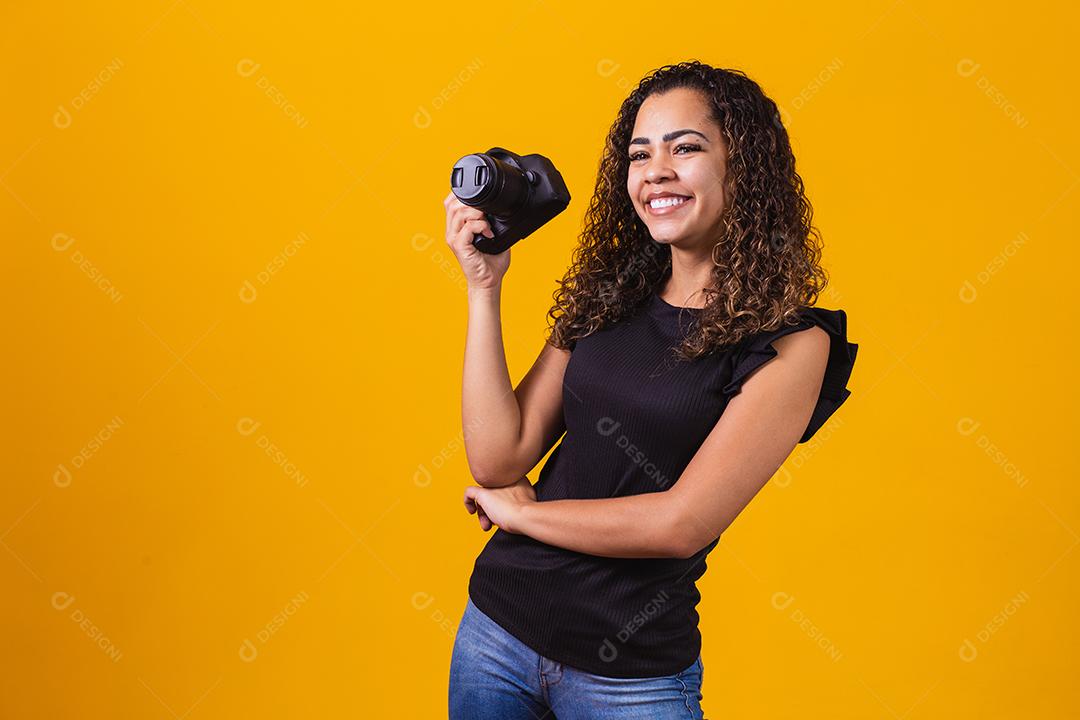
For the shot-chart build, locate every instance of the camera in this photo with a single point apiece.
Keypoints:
(517, 193)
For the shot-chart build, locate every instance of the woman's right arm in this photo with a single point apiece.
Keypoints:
(506, 431)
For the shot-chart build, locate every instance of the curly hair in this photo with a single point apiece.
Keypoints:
(766, 259)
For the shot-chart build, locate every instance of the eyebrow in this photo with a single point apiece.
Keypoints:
(669, 137)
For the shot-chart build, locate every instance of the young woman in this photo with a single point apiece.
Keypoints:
(684, 364)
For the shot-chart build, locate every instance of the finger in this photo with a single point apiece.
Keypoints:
(475, 227)
(452, 202)
(485, 521)
(452, 210)
(458, 213)
(466, 213)
(455, 225)
(470, 503)
(461, 243)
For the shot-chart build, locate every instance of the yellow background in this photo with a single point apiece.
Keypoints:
(232, 321)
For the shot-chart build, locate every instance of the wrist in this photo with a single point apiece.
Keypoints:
(524, 518)
(485, 293)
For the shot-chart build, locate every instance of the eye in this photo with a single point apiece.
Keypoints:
(688, 146)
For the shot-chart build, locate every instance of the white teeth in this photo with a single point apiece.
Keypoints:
(666, 202)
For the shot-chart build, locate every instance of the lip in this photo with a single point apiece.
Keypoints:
(667, 210)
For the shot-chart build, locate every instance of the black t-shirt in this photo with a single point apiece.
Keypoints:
(634, 416)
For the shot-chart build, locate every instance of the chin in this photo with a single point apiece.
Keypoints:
(667, 236)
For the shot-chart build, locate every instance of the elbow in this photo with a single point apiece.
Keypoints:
(683, 550)
(497, 466)
(495, 481)
(678, 544)
(686, 533)
(686, 549)
(493, 477)
(685, 544)
(498, 469)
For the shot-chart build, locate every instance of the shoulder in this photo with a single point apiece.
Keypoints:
(801, 359)
(799, 351)
(808, 344)
(814, 352)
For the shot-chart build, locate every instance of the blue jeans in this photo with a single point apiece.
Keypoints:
(494, 676)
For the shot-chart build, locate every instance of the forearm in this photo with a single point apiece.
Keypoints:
(490, 415)
(630, 526)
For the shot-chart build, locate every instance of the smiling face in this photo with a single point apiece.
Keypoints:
(677, 151)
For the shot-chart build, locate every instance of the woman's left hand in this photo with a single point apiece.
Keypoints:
(500, 506)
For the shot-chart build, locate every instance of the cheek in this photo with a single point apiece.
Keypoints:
(712, 182)
(633, 190)
(709, 192)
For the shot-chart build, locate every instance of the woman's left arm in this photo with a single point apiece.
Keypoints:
(757, 431)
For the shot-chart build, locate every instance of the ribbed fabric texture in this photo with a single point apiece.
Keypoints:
(635, 416)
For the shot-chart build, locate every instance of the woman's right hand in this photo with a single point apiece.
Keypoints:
(482, 270)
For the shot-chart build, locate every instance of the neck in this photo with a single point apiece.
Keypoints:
(690, 275)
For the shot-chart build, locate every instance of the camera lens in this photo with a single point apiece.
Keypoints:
(490, 184)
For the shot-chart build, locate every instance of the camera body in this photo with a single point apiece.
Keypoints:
(517, 193)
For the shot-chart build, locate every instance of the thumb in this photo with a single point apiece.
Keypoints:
(470, 498)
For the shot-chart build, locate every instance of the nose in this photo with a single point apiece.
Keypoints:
(658, 168)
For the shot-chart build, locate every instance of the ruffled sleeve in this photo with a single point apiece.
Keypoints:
(757, 350)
